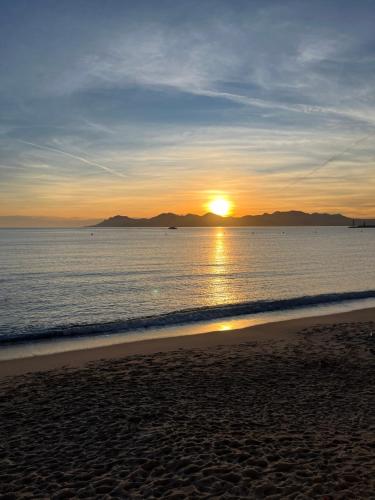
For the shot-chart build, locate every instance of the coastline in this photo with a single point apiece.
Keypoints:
(280, 410)
(271, 331)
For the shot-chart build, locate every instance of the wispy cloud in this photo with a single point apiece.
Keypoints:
(232, 95)
(75, 157)
(331, 159)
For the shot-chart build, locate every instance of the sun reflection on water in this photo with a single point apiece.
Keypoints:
(220, 287)
(225, 327)
(220, 251)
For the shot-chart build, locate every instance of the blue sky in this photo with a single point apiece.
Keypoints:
(138, 107)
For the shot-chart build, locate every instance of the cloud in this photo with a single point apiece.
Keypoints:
(75, 157)
(266, 90)
(288, 72)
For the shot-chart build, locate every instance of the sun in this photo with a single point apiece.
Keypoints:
(220, 206)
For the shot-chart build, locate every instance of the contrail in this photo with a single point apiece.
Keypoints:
(70, 155)
(333, 158)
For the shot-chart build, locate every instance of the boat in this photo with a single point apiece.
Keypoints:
(172, 227)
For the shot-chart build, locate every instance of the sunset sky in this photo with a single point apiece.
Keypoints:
(134, 107)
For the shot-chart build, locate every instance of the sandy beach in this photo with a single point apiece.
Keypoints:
(282, 410)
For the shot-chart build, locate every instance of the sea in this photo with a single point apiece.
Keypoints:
(85, 282)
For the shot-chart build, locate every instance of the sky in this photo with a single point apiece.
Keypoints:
(135, 108)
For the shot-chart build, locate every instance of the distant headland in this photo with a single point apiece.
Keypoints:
(291, 218)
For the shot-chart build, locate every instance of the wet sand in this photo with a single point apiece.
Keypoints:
(284, 410)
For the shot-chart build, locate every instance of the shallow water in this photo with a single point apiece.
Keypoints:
(56, 278)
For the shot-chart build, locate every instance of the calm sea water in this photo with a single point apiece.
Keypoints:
(55, 280)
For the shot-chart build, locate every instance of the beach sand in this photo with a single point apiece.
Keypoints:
(284, 410)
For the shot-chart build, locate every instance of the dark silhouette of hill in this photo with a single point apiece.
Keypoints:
(292, 218)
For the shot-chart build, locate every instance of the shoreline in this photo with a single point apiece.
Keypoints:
(271, 331)
(280, 410)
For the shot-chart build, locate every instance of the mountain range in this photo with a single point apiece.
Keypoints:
(291, 218)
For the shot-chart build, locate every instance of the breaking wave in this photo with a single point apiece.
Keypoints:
(183, 316)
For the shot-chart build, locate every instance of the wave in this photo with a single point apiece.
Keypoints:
(183, 316)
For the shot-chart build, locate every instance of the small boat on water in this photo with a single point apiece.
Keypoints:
(172, 227)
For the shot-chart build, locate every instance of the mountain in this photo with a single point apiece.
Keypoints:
(292, 218)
